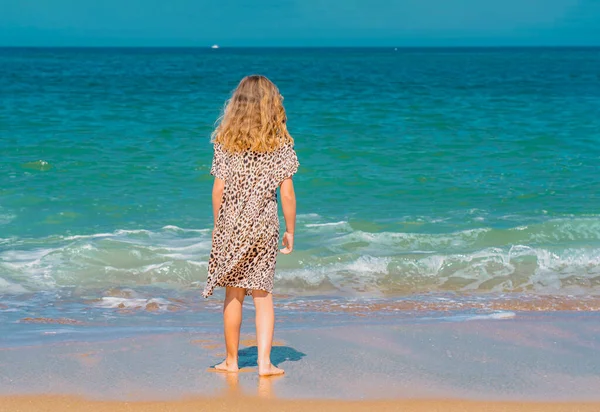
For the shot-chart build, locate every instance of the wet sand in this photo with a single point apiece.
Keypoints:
(508, 364)
(66, 404)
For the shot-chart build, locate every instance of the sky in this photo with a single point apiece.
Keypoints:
(299, 22)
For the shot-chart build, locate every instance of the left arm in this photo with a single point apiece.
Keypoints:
(288, 204)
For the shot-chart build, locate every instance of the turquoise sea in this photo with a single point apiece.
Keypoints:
(445, 182)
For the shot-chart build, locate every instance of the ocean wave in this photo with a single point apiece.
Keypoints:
(516, 269)
(135, 257)
(408, 242)
(343, 236)
(555, 256)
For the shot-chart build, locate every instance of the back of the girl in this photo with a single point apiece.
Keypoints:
(253, 156)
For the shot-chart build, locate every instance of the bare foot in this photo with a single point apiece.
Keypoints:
(269, 370)
(227, 367)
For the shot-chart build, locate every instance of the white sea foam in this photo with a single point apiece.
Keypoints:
(179, 229)
(11, 288)
(493, 316)
(20, 259)
(200, 264)
(109, 302)
(347, 276)
(341, 223)
(134, 232)
(408, 242)
(94, 236)
(308, 216)
(194, 247)
(562, 230)
(6, 218)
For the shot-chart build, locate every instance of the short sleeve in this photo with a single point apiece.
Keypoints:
(288, 165)
(219, 164)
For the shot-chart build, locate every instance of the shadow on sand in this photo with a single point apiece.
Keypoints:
(248, 356)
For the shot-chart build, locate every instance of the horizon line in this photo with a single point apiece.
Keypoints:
(542, 46)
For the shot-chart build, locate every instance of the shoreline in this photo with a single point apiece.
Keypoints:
(49, 403)
(550, 358)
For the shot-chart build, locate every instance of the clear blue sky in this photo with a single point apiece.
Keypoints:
(298, 22)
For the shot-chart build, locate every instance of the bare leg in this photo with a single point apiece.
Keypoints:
(232, 322)
(265, 324)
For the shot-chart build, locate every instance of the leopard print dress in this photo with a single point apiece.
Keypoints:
(246, 235)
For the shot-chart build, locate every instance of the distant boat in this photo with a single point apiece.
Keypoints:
(214, 46)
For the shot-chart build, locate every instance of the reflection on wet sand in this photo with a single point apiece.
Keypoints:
(232, 384)
(232, 387)
(265, 386)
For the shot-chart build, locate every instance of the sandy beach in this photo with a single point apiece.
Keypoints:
(56, 404)
(529, 362)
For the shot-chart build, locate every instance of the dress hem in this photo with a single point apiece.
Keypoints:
(206, 294)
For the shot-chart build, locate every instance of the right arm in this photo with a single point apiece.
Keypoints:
(288, 204)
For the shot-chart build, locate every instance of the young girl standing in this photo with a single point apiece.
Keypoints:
(253, 156)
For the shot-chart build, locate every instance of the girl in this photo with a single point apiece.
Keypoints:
(253, 156)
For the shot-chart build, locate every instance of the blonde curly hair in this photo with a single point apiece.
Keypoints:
(253, 118)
